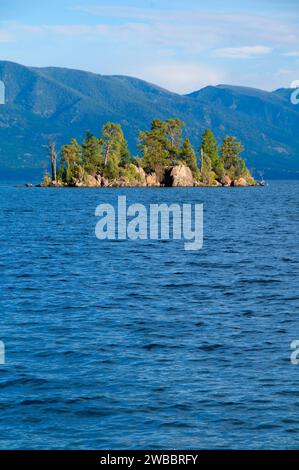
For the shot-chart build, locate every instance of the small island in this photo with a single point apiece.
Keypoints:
(166, 160)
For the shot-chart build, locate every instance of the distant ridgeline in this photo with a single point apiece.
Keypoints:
(166, 159)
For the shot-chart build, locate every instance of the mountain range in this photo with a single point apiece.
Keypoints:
(43, 104)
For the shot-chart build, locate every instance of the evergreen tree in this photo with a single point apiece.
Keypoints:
(154, 154)
(114, 149)
(71, 161)
(161, 146)
(125, 156)
(91, 154)
(210, 155)
(174, 129)
(112, 137)
(187, 156)
(230, 154)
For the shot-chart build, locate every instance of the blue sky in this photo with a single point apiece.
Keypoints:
(180, 45)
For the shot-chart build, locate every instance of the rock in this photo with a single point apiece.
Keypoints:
(216, 184)
(240, 182)
(99, 179)
(250, 181)
(52, 184)
(140, 171)
(92, 181)
(226, 181)
(152, 180)
(105, 182)
(181, 176)
(78, 184)
(118, 183)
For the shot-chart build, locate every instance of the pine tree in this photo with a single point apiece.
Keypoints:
(114, 149)
(125, 156)
(210, 154)
(174, 130)
(187, 156)
(154, 155)
(230, 154)
(71, 161)
(161, 146)
(91, 154)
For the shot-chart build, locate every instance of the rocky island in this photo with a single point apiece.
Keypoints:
(166, 159)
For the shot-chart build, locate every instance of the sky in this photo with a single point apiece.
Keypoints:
(179, 45)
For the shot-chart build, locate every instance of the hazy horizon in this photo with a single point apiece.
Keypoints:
(147, 81)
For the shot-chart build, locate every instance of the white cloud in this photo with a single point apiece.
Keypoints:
(291, 54)
(246, 52)
(180, 77)
(190, 30)
(230, 25)
(154, 44)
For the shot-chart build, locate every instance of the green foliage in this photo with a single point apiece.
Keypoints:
(173, 130)
(111, 170)
(209, 144)
(115, 150)
(197, 175)
(47, 180)
(125, 156)
(70, 162)
(130, 174)
(161, 148)
(217, 167)
(154, 154)
(230, 153)
(205, 167)
(187, 156)
(112, 140)
(137, 161)
(209, 154)
(133, 101)
(92, 154)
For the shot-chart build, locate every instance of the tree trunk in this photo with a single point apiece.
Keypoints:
(201, 160)
(53, 156)
(107, 155)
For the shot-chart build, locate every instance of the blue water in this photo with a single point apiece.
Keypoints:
(142, 345)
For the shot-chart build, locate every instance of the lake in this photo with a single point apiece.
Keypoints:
(141, 344)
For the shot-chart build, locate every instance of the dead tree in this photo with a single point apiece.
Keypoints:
(201, 160)
(53, 156)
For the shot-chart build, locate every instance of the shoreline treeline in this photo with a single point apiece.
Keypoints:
(160, 149)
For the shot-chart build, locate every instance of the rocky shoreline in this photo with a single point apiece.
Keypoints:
(177, 176)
